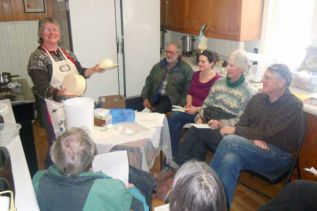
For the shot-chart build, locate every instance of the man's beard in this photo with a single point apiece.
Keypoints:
(171, 61)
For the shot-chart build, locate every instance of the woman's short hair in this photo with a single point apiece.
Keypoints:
(196, 187)
(283, 71)
(240, 59)
(211, 56)
(73, 152)
(42, 22)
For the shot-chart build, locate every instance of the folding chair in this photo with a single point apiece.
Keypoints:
(286, 173)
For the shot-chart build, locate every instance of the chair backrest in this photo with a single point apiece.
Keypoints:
(278, 176)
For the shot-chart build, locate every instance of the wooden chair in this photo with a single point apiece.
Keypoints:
(283, 174)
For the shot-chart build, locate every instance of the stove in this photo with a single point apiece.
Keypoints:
(17, 92)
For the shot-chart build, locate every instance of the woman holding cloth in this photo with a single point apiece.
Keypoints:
(200, 85)
(47, 67)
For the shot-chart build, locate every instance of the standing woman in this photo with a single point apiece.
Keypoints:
(201, 83)
(48, 65)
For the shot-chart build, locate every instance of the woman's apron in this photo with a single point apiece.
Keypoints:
(55, 110)
(60, 69)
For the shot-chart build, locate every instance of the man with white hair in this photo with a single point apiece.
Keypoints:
(168, 82)
(266, 135)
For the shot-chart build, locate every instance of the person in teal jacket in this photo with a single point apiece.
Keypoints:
(168, 82)
(70, 185)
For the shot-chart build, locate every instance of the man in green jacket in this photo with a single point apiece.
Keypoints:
(168, 82)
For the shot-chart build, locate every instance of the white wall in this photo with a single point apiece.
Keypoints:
(18, 41)
(93, 31)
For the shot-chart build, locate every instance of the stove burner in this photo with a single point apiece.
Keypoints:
(4, 89)
(10, 97)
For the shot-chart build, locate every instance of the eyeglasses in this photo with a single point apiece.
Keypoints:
(170, 52)
(50, 30)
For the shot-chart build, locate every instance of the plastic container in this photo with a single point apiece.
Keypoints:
(79, 112)
(108, 120)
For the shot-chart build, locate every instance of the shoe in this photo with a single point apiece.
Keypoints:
(166, 173)
(164, 191)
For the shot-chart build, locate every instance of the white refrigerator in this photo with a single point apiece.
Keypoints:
(126, 31)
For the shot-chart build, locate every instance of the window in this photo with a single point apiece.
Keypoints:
(288, 29)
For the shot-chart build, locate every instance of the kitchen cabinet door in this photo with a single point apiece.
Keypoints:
(197, 14)
(238, 20)
(175, 14)
(163, 13)
(224, 19)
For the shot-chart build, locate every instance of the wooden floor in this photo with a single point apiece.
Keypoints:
(244, 200)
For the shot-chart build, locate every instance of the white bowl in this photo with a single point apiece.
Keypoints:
(8, 131)
(74, 84)
(107, 64)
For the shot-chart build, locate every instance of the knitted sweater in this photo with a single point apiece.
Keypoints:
(232, 100)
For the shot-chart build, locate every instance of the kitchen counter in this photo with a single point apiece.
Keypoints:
(25, 198)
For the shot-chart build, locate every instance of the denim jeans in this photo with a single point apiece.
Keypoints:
(236, 153)
(175, 123)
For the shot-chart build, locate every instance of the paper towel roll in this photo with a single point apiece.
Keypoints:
(79, 112)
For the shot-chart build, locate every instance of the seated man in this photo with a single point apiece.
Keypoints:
(298, 195)
(168, 82)
(196, 187)
(70, 185)
(266, 135)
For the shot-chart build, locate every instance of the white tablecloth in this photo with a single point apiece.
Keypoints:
(142, 146)
(25, 198)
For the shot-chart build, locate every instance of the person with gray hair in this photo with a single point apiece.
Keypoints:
(196, 187)
(47, 67)
(168, 82)
(266, 135)
(70, 184)
(226, 102)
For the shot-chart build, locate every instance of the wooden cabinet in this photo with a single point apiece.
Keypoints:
(308, 155)
(173, 14)
(226, 19)
(196, 14)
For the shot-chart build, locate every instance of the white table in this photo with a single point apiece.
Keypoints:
(142, 147)
(25, 198)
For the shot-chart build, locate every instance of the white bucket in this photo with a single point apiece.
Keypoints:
(79, 112)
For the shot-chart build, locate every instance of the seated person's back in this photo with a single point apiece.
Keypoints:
(70, 185)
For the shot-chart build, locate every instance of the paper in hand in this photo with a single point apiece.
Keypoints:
(114, 164)
(311, 170)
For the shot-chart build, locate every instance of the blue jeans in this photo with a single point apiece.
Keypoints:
(236, 153)
(175, 123)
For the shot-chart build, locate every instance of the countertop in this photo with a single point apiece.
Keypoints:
(28, 96)
(25, 198)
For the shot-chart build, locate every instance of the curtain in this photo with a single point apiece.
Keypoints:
(289, 27)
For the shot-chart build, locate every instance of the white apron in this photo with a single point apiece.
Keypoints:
(55, 109)
(60, 69)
